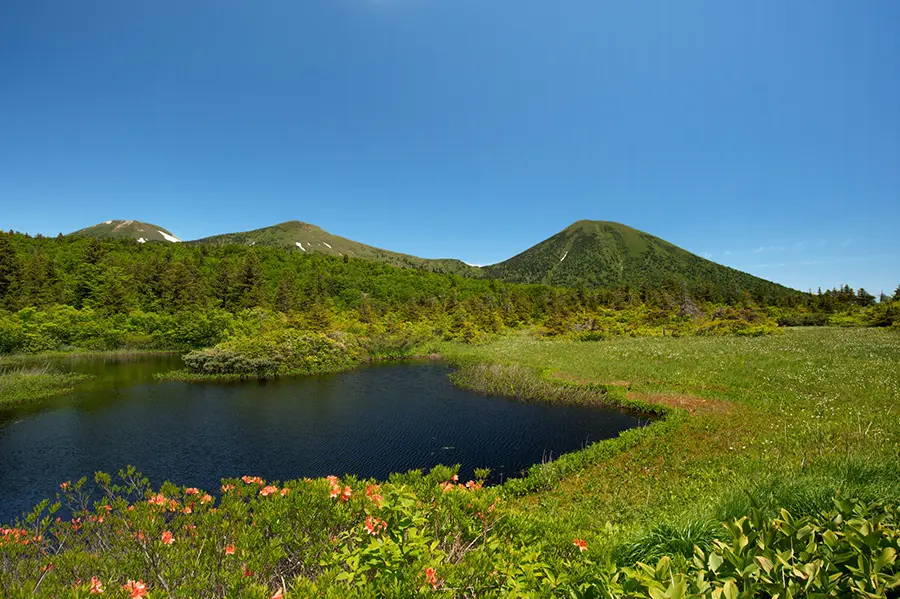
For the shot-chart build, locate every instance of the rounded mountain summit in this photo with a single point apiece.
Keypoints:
(127, 229)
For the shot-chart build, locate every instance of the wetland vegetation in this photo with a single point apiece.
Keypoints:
(770, 434)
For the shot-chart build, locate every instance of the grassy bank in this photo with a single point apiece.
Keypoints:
(785, 420)
(21, 384)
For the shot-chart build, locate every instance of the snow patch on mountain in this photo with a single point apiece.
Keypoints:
(168, 237)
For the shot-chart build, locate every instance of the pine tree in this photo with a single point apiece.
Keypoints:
(9, 268)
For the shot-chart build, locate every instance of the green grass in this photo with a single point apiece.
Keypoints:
(34, 383)
(784, 420)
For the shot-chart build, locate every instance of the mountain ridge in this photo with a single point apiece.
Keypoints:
(592, 253)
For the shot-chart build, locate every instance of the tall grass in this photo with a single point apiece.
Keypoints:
(23, 384)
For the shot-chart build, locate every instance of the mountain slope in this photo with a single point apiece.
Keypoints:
(124, 229)
(607, 254)
(304, 237)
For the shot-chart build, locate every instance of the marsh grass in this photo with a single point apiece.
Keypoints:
(24, 384)
(812, 412)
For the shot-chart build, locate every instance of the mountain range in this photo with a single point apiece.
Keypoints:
(590, 253)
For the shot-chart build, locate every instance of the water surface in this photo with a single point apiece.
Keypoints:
(369, 422)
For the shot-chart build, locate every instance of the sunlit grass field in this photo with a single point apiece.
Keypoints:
(783, 420)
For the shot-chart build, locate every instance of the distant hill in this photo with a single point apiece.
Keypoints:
(125, 229)
(589, 253)
(304, 237)
(608, 254)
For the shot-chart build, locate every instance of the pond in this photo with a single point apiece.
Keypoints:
(370, 422)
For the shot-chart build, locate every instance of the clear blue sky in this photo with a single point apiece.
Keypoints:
(763, 134)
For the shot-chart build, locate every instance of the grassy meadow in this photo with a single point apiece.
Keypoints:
(786, 420)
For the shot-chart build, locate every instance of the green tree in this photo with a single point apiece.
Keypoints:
(9, 268)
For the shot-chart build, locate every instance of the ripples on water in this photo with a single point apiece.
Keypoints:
(369, 422)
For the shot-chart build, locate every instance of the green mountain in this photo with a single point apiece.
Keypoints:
(304, 237)
(127, 229)
(607, 254)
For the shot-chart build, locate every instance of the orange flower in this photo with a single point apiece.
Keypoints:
(285, 491)
(206, 498)
(158, 499)
(335, 491)
(373, 495)
(137, 588)
(266, 491)
(581, 544)
(455, 478)
(226, 488)
(252, 479)
(167, 538)
(346, 494)
(96, 587)
(374, 524)
(192, 491)
(64, 486)
(229, 549)
(431, 577)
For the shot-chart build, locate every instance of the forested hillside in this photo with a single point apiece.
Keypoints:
(58, 293)
(306, 238)
(606, 254)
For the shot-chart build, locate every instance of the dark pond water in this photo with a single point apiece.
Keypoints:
(369, 422)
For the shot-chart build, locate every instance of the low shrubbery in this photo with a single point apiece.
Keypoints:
(416, 534)
(277, 353)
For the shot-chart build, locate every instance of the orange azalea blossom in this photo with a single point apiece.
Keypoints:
(206, 498)
(345, 496)
(158, 499)
(64, 486)
(137, 588)
(332, 479)
(167, 538)
(226, 488)
(192, 491)
(455, 478)
(229, 549)
(373, 495)
(431, 577)
(187, 509)
(581, 544)
(335, 491)
(374, 525)
(285, 491)
(96, 587)
(252, 479)
(268, 490)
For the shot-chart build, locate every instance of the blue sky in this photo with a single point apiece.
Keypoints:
(764, 135)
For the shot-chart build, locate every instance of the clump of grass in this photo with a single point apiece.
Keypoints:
(23, 384)
(522, 383)
(669, 539)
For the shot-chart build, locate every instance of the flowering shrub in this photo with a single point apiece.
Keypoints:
(414, 535)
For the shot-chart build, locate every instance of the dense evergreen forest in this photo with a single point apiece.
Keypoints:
(65, 292)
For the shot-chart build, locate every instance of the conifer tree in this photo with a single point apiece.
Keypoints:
(9, 268)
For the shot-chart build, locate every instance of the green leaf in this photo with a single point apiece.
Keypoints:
(730, 590)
